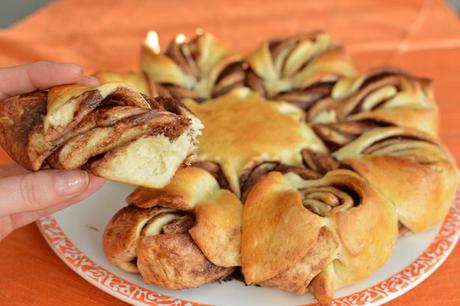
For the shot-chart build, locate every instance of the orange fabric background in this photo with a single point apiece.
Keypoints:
(420, 36)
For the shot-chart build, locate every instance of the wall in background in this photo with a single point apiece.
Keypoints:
(14, 10)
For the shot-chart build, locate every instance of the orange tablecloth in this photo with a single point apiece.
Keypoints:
(421, 36)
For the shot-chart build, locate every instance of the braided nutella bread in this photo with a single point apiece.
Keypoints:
(113, 131)
(331, 167)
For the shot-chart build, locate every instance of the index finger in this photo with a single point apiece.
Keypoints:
(39, 75)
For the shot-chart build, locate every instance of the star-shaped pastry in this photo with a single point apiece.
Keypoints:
(305, 171)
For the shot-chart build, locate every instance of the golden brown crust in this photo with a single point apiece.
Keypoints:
(390, 95)
(101, 138)
(174, 262)
(367, 231)
(422, 195)
(155, 243)
(277, 230)
(297, 278)
(217, 231)
(189, 187)
(122, 234)
(249, 123)
(21, 129)
(68, 105)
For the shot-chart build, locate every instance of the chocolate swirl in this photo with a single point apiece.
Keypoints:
(154, 240)
(300, 69)
(252, 176)
(336, 135)
(305, 98)
(206, 68)
(323, 200)
(319, 162)
(407, 144)
(383, 88)
(420, 149)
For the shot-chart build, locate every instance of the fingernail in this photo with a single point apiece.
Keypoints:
(71, 182)
(89, 80)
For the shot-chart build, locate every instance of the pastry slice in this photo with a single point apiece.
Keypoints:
(112, 130)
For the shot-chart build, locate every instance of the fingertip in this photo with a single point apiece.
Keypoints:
(94, 184)
(95, 181)
(69, 183)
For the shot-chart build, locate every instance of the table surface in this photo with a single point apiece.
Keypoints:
(420, 36)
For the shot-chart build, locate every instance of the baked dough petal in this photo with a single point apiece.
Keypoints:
(315, 235)
(186, 191)
(298, 277)
(122, 234)
(277, 230)
(397, 161)
(173, 261)
(200, 68)
(379, 98)
(388, 95)
(300, 69)
(194, 238)
(217, 231)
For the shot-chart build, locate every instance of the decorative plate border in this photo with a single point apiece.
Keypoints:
(388, 289)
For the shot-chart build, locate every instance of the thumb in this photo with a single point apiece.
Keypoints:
(40, 190)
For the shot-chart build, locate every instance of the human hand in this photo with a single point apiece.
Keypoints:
(26, 196)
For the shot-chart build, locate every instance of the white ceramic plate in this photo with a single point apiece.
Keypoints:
(75, 234)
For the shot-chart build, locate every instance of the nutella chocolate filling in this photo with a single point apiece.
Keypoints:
(322, 200)
(336, 135)
(251, 177)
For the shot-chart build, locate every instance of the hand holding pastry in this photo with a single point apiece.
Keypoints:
(110, 129)
(29, 196)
